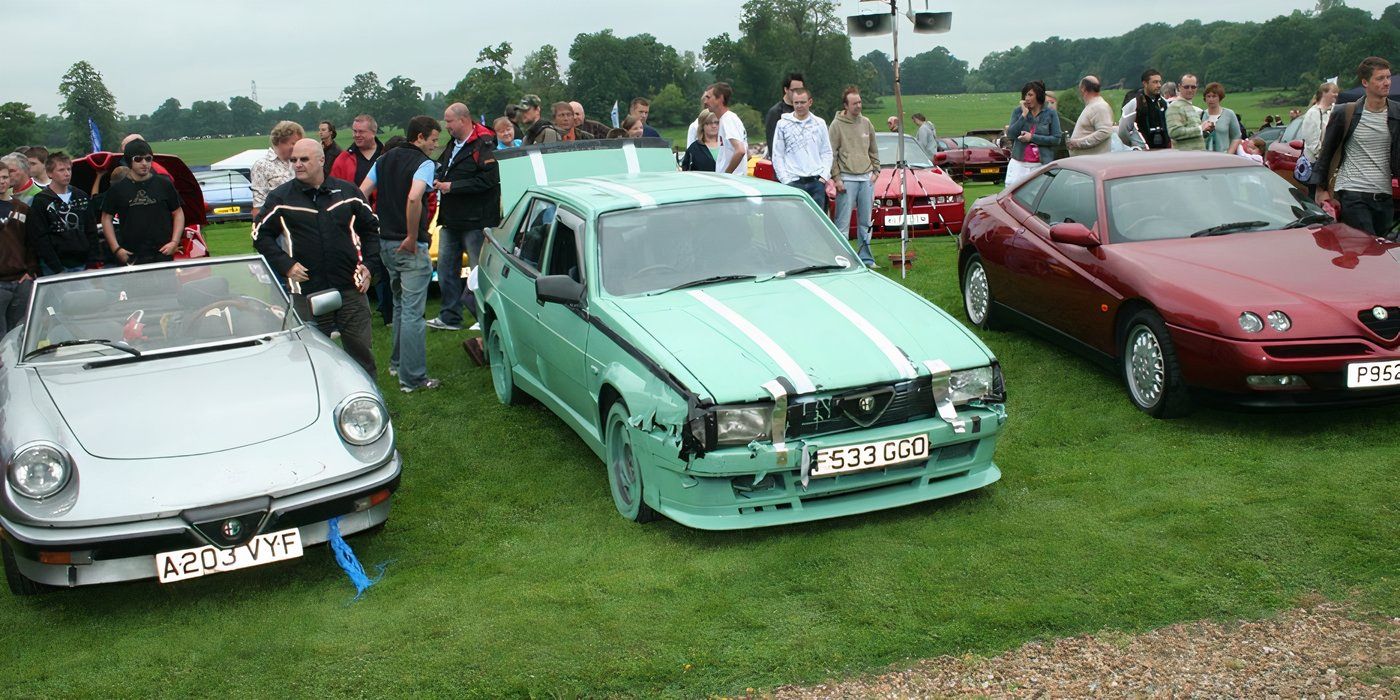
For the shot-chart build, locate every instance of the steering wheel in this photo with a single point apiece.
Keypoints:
(658, 267)
(244, 303)
(1130, 230)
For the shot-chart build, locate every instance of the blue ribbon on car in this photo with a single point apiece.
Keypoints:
(345, 557)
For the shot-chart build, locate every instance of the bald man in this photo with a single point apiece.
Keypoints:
(1094, 127)
(326, 232)
(469, 187)
(587, 127)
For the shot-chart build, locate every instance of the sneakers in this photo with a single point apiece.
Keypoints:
(427, 384)
(871, 266)
(441, 325)
(393, 372)
(475, 350)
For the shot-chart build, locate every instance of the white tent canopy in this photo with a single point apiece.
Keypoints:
(240, 161)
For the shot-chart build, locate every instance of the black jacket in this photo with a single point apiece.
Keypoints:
(1335, 139)
(393, 181)
(770, 122)
(474, 199)
(698, 157)
(63, 235)
(1152, 121)
(331, 228)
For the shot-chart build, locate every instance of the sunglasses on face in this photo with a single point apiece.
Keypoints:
(142, 159)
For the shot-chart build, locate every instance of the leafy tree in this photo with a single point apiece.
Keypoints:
(85, 97)
(607, 68)
(364, 95)
(936, 71)
(209, 118)
(884, 71)
(434, 103)
(671, 108)
(16, 125)
(487, 89)
(336, 113)
(168, 121)
(752, 119)
(540, 75)
(245, 116)
(403, 100)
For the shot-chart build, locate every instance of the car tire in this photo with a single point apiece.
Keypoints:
(1151, 369)
(502, 379)
(977, 295)
(624, 472)
(19, 583)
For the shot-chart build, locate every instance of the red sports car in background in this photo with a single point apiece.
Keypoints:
(935, 201)
(1196, 274)
(92, 174)
(972, 158)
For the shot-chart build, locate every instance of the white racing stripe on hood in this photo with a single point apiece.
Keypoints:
(641, 198)
(795, 373)
(733, 181)
(898, 359)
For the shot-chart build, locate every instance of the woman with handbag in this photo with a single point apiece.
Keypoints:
(1310, 133)
(1034, 130)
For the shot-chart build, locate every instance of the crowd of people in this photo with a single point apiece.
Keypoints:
(357, 218)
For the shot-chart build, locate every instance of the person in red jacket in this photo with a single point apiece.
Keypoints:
(352, 165)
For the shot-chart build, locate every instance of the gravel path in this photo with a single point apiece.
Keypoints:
(1316, 652)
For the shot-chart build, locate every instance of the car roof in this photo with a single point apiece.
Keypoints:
(604, 193)
(1111, 166)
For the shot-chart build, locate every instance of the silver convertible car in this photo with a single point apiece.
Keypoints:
(176, 420)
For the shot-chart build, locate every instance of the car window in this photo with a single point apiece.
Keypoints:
(1025, 196)
(914, 154)
(563, 252)
(1292, 131)
(1151, 207)
(528, 245)
(1069, 198)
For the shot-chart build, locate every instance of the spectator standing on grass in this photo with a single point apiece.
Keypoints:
(855, 161)
(1226, 135)
(1315, 124)
(37, 157)
(801, 149)
(733, 139)
(1093, 131)
(152, 220)
(352, 165)
(275, 167)
(60, 225)
(1184, 125)
(330, 150)
(22, 187)
(1034, 130)
(791, 81)
(327, 231)
(1361, 150)
(18, 264)
(468, 185)
(1144, 121)
(700, 155)
(403, 177)
(641, 109)
(925, 134)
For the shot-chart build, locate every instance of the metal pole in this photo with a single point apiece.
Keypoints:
(900, 162)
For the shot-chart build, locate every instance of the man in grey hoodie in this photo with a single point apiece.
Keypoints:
(855, 162)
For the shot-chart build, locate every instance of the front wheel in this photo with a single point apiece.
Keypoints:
(502, 378)
(19, 583)
(1151, 369)
(624, 471)
(977, 294)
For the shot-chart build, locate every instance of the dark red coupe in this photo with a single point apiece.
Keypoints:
(972, 158)
(1196, 275)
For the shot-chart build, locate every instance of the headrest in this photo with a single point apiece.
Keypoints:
(82, 302)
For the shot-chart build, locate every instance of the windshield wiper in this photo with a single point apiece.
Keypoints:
(703, 280)
(1229, 228)
(1310, 219)
(118, 344)
(804, 270)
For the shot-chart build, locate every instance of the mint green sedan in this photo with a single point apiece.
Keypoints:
(718, 345)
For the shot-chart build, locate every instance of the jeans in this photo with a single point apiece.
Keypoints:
(353, 321)
(409, 274)
(814, 187)
(1367, 212)
(451, 244)
(862, 194)
(14, 302)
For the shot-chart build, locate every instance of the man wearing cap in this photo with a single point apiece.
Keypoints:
(329, 232)
(149, 209)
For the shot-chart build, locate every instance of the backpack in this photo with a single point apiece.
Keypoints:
(1348, 114)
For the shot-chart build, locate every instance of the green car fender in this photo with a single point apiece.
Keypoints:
(656, 410)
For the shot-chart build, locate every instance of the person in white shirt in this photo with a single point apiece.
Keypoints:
(733, 139)
(801, 148)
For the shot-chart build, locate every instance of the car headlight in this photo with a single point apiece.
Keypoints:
(724, 426)
(40, 470)
(972, 384)
(1279, 321)
(361, 420)
(1250, 322)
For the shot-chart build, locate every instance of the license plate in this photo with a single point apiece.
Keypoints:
(227, 210)
(988, 171)
(871, 455)
(1364, 374)
(914, 220)
(200, 561)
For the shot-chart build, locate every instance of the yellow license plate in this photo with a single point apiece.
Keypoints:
(228, 210)
(990, 170)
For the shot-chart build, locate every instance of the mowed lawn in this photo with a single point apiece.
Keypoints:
(510, 574)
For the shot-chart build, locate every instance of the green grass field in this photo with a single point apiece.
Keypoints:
(509, 573)
(951, 114)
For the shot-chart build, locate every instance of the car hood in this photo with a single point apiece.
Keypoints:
(923, 182)
(830, 349)
(181, 406)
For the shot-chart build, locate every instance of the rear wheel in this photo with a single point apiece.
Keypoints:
(18, 582)
(977, 294)
(1151, 369)
(501, 377)
(624, 471)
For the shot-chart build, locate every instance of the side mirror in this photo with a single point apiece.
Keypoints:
(560, 289)
(1296, 144)
(324, 302)
(1071, 233)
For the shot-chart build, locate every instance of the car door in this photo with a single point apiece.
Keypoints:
(1008, 282)
(1064, 288)
(560, 332)
(516, 279)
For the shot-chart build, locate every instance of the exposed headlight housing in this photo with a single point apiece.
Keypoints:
(39, 470)
(727, 426)
(1279, 321)
(361, 420)
(976, 384)
(1250, 322)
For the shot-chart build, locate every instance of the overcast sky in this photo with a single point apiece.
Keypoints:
(299, 50)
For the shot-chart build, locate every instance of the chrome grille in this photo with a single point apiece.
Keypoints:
(910, 400)
(1389, 328)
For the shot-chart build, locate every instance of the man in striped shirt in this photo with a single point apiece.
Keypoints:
(1363, 154)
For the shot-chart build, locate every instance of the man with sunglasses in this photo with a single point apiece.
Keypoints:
(152, 222)
(1184, 125)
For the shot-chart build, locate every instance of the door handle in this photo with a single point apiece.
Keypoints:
(505, 271)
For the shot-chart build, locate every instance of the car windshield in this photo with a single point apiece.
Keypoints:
(659, 248)
(974, 142)
(153, 309)
(914, 154)
(221, 178)
(1203, 202)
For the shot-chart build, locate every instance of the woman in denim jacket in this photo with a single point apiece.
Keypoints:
(1031, 123)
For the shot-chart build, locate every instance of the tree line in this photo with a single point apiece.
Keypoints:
(775, 37)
